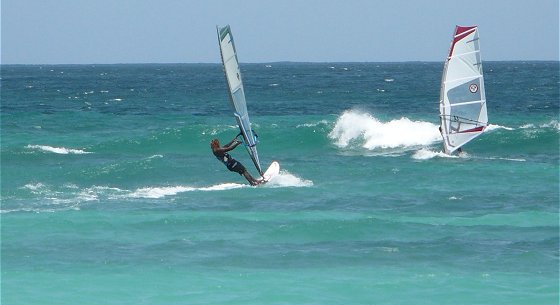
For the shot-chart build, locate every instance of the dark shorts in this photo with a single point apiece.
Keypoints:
(236, 166)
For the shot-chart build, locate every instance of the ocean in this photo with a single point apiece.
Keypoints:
(111, 195)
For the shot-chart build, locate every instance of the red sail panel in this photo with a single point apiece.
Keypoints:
(460, 33)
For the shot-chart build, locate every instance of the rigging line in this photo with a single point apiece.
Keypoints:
(462, 119)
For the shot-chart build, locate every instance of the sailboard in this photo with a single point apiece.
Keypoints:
(237, 93)
(463, 113)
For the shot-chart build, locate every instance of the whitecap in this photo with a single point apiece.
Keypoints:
(155, 156)
(492, 127)
(355, 127)
(57, 150)
(322, 122)
(552, 124)
(34, 186)
(506, 159)
(527, 126)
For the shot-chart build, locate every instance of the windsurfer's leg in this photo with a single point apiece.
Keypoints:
(249, 178)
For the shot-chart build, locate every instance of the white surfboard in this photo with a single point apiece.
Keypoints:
(272, 171)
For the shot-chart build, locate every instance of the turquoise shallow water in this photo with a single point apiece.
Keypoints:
(110, 193)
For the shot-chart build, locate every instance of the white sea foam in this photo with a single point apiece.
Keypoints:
(527, 126)
(506, 159)
(355, 127)
(34, 187)
(155, 156)
(71, 197)
(492, 127)
(57, 150)
(552, 124)
(159, 192)
(60, 198)
(222, 187)
(286, 179)
(425, 154)
(322, 122)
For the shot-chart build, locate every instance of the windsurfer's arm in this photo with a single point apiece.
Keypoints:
(235, 140)
(230, 146)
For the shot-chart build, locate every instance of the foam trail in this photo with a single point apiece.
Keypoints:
(58, 150)
(370, 133)
(160, 192)
(286, 179)
(425, 154)
(492, 127)
(223, 187)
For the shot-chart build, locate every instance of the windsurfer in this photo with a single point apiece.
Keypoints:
(233, 165)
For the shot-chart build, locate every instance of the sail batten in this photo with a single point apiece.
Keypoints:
(463, 54)
(467, 103)
(463, 113)
(236, 92)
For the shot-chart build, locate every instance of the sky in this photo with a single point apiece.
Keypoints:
(184, 31)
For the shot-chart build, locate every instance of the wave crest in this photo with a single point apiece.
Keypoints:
(57, 150)
(358, 128)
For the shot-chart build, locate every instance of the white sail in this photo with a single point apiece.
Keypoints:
(462, 107)
(236, 92)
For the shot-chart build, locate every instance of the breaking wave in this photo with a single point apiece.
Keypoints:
(355, 128)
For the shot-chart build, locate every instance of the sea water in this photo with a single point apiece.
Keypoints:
(111, 195)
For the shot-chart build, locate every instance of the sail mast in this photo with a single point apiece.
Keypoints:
(236, 92)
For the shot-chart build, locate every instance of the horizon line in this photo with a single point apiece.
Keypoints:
(264, 62)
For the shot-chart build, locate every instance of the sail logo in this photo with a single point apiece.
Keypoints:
(473, 88)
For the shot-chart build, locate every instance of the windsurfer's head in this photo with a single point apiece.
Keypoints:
(214, 144)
